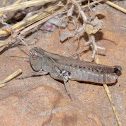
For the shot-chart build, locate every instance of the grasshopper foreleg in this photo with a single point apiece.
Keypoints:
(40, 73)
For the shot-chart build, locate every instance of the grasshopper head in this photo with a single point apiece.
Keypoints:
(36, 55)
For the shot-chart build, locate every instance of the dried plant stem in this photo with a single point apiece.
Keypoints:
(18, 1)
(23, 5)
(2, 44)
(37, 17)
(112, 104)
(41, 21)
(10, 77)
(18, 36)
(30, 20)
(116, 6)
(80, 10)
(92, 3)
(2, 85)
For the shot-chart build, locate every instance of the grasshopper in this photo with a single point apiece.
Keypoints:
(65, 68)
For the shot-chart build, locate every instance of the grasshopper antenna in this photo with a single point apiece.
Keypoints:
(17, 35)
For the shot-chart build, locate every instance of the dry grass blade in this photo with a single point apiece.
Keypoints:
(112, 104)
(30, 20)
(10, 77)
(2, 85)
(116, 6)
(23, 5)
(2, 44)
(41, 21)
(18, 1)
(93, 3)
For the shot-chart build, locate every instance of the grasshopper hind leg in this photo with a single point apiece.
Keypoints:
(65, 75)
(62, 75)
(65, 85)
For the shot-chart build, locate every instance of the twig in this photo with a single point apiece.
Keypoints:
(10, 77)
(18, 1)
(80, 10)
(93, 44)
(17, 35)
(30, 20)
(112, 104)
(41, 21)
(116, 6)
(92, 3)
(23, 5)
(2, 44)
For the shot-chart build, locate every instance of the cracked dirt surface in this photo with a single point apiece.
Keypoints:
(42, 101)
